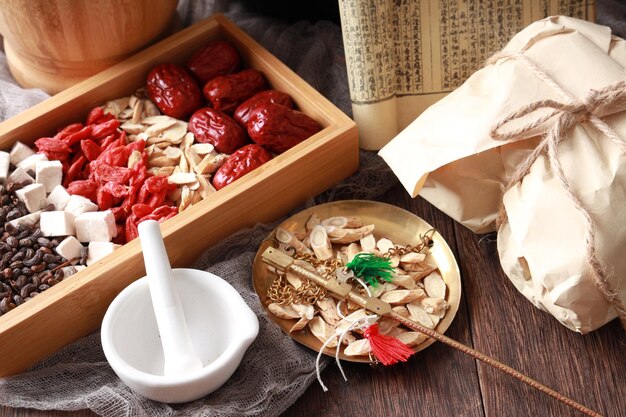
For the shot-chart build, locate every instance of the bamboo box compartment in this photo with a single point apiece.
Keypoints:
(75, 307)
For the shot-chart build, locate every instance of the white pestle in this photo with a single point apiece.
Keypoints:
(180, 356)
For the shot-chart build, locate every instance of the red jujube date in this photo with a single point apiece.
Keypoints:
(217, 57)
(173, 90)
(239, 164)
(214, 127)
(244, 111)
(226, 92)
(278, 128)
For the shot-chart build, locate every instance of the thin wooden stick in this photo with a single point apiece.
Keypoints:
(342, 291)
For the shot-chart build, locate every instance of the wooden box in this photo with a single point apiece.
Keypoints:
(75, 307)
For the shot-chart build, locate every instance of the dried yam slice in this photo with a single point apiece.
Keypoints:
(352, 250)
(134, 157)
(412, 257)
(351, 318)
(436, 319)
(164, 171)
(404, 281)
(286, 237)
(402, 296)
(115, 107)
(206, 188)
(402, 310)
(368, 243)
(412, 338)
(350, 235)
(283, 312)
(132, 128)
(320, 243)
(437, 306)
(203, 148)
(420, 315)
(323, 331)
(313, 221)
(358, 348)
(384, 245)
(182, 178)
(210, 163)
(149, 110)
(434, 285)
(419, 269)
(328, 310)
(386, 326)
(304, 310)
(158, 128)
(300, 324)
(153, 120)
(342, 222)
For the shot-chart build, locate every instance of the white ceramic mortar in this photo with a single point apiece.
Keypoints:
(220, 323)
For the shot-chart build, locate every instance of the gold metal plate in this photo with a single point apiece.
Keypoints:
(392, 222)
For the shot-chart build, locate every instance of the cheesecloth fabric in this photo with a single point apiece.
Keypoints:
(275, 370)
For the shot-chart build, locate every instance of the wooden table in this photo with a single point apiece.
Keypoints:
(494, 319)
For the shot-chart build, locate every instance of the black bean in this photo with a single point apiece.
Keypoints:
(38, 267)
(26, 290)
(13, 214)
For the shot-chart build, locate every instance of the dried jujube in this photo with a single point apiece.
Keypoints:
(217, 57)
(214, 127)
(244, 111)
(226, 92)
(237, 165)
(173, 90)
(279, 128)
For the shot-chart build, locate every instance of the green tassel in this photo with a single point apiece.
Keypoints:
(370, 268)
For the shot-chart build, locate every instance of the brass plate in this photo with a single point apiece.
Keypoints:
(392, 222)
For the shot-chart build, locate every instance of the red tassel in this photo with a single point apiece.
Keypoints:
(388, 350)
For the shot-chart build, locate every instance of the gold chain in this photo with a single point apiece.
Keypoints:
(426, 242)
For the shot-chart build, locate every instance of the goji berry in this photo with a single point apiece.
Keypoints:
(73, 171)
(104, 129)
(115, 189)
(52, 145)
(140, 210)
(86, 188)
(91, 149)
(67, 130)
(104, 199)
(94, 115)
(103, 172)
(74, 138)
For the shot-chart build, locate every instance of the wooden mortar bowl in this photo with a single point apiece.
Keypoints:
(54, 44)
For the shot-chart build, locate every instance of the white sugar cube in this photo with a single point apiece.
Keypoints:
(30, 163)
(77, 204)
(33, 196)
(19, 175)
(58, 197)
(19, 152)
(96, 226)
(56, 223)
(25, 221)
(69, 248)
(49, 173)
(98, 250)
(4, 165)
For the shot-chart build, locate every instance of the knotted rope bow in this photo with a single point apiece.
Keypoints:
(566, 116)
